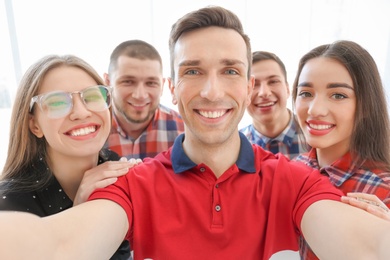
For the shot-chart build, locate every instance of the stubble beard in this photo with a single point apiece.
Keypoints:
(132, 120)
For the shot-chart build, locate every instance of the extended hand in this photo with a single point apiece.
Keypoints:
(101, 176)
(367, 202)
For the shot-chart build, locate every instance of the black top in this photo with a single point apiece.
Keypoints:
(51, 199)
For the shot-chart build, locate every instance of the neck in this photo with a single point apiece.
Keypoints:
(275, 127)
(326, 156)
(69, 171)
(219, 157)
(132, 129)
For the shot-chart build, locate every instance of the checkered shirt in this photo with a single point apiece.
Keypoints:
(159, 135)
(287, 143)
(347, 176)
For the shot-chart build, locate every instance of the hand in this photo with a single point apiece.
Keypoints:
(101, 176)
(369, 203)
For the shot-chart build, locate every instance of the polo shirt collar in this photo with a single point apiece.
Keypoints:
(181, 162)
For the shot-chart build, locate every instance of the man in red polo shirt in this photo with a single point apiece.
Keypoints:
(212, 195)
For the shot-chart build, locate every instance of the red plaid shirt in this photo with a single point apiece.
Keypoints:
(347, 176)
(157, 137)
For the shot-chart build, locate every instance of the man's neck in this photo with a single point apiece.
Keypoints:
(219, 157)
(274, 128)
(133, 130)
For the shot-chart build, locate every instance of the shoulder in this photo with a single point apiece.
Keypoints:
(108, 155)
(280, 164)
(168, 111)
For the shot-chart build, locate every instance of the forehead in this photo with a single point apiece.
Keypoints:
(325, 70)
(125, 64)
(66, 78)
(211, 44)
(267, 67)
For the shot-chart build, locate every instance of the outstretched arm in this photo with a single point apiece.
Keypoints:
(92, 230)
(338, 231)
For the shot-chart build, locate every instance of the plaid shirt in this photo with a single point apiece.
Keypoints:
(287, 143)
(347, 176)
(157, 137)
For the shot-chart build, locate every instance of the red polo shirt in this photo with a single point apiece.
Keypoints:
(179, 210)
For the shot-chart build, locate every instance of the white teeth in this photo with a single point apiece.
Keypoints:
(320, 127)
(212, 114)
(83, 131)
(266, 104)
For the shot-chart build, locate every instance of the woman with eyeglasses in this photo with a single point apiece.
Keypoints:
(59, 124)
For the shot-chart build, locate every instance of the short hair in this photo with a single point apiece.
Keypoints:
(134, 49)
(203, 18)
(258, 56)
(370, 135)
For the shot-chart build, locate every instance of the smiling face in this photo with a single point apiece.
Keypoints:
(80, 133)
(326, 105)
(211, 88)
(270, 94)
(137, 88)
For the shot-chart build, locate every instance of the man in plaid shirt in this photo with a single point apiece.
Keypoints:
(273, 127)
(141, 126)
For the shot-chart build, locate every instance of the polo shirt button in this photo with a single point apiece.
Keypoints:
(217, 186)
(202, 169)
(218, 208)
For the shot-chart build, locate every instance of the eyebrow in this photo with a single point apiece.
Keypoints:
(329, 86)
(227, 62)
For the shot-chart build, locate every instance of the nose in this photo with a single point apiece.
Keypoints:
(140, 92)
(212, 89)
(79, 110)
(318, 107)
(264, 90)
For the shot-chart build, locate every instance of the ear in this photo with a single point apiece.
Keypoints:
(34, 127)
(106, 79)
(172, 90)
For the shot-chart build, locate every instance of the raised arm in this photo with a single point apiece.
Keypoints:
(338, 231)
(92, 230)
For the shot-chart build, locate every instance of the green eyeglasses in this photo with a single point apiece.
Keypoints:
(58, 104)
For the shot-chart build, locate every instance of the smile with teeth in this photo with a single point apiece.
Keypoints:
(83, 131)
(266, 104)
(320, 127)
(212, 114)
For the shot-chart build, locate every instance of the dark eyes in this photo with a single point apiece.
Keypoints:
(306, 94)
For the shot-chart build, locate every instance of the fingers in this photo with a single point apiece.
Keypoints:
(369, 199)
(369, 203)
(103, 175)
(379, 212)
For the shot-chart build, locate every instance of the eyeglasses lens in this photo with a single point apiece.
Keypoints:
(59, 104)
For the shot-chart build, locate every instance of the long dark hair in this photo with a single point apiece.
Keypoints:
(370, 137)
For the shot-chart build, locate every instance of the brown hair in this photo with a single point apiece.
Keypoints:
(370, 137)
(207, 17)
(134, 49)
(264, 55)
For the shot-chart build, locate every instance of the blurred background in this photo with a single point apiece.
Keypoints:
(91, 29)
